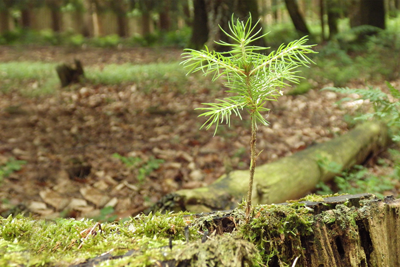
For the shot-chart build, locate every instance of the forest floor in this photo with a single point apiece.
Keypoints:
(68, 138)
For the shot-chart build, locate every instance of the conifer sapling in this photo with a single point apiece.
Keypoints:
(252, 79)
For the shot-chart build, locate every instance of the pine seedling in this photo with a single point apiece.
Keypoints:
(252, 79)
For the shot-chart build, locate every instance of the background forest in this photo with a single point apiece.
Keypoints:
(114, 144)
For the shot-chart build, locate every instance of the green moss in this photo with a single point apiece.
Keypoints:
(275, 236)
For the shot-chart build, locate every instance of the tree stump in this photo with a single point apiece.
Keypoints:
(68, 74)
(342, 231)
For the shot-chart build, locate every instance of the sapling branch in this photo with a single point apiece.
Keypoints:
(252, 79)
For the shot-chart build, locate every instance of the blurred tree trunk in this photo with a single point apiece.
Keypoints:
(187, 16)
(120, 11)
(199, 26)
(297, 19)
(275, 10)
(333, 12)
(146, 20)
(367, 12)
(321, 18)
(220, 14)
(87, 27)
(122, 24)
(26, 18)
(55, 20)
(165, 20)
(4, 20)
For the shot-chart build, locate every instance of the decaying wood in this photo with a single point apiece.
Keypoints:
(288, 178)
(347, 231)
(341, 231)
(68, 74)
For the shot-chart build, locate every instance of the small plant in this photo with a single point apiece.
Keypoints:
(354, 181)
(252, 79)
(12, 165)
(144, 169)
(387, 109)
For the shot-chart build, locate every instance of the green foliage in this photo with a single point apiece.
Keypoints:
(355, 181)
(112, 40)
(144, 169)
(358, 180)
(340, 61)
(12, 165)
(302, 88)
(252, 78)
(106, 215)
(386, 106)
(37, 78)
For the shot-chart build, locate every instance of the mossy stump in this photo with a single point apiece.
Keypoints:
(343, 231)
(69, 75)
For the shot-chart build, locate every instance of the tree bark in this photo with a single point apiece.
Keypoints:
(55, 20)
(344, 231)
(199, 27)
(321, 18)
(288, 178)
(210, 15)
(367, 12)
(26, 18)
(4, 21)
(297, 19)
(333, 16)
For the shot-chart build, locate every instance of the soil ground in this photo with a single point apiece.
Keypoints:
(68, 139)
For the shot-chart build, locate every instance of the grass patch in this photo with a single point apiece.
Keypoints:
(38, 78)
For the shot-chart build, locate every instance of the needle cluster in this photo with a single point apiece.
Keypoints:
(252, 78)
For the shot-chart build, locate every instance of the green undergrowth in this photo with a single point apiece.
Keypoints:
(151, 238)
(38, 78)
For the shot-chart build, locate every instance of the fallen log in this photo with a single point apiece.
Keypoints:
(288, 178)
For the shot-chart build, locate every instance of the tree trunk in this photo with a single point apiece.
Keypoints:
(165, 20)
(288, 178)
(122, 23)
(199, 27)
(367, 12)
(242, 9)
(321, 18)
(297, 19)
(146, 20)
(274, 6)
(55, 20)
(333, 16)
(4, 20)
(26, 18)
(220, 14)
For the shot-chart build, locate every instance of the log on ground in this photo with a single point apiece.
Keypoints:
(288, 178)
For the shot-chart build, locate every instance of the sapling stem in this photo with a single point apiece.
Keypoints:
(253, 164)
(252, 79)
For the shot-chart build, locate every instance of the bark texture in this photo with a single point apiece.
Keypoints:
(288, 178)
(367, 12)
(341, 231)
(297, 19)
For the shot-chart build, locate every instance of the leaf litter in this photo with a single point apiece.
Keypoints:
(68, 139)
